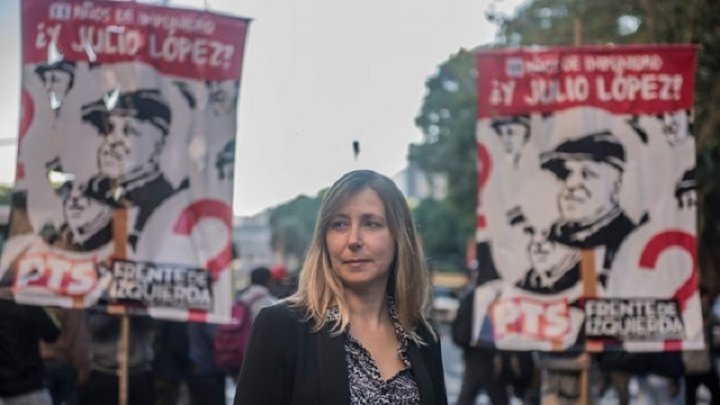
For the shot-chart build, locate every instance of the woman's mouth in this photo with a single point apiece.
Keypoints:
(356, 261)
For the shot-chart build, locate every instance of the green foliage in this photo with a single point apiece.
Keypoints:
(551, 22)
(5, 192)
(292, 225)
(447, 119)
(439, 227)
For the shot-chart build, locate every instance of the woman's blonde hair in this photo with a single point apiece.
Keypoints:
(319, 289)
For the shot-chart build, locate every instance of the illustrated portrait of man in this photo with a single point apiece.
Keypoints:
(677, 126)
(685, 190)
(225, 161)
(133, 127)
(514, 133)
(58, 79)
(222, 96)
(555, 267)
(88, 222)
(590, 171)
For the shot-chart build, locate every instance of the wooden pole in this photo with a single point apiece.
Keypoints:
(588, 275)
(123, 358)
(577, 31)
(120, 249)
(587, 264)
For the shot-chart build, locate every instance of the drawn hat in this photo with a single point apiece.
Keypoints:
(686, 183)
(602, 147)
(145, 105)
(63, 66)
(497, 122)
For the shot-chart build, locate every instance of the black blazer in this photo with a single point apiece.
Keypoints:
(287, 363)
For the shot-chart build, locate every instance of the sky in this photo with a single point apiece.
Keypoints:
(317, 75)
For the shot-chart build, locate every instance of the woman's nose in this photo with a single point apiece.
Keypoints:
(354, 239)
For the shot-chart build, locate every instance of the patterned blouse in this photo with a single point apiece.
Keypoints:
(366, 384)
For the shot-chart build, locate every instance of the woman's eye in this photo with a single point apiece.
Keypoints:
(338, 225)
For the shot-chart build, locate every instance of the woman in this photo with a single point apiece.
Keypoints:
(355, 332)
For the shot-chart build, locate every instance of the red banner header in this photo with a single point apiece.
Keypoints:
(188, 43)
(621, 79)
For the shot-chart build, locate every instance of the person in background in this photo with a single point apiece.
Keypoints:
(659, 375)
(171, 363)
(518, 373)
(357, 330)
(282, 285)
(663, 383)
(482, 371)
(562, 376)
(102, 385)
(258, 295)
(21, 368)
(700, 366)
(207, 381)
(67, 360)
(482, 364)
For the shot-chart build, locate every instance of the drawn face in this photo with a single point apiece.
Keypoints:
(688, 199)
(85, 216)
(675, 127)
(131, 147)
(547, 256)
(589, 190)
(57, 81)
(359, 242)
(513, 136)
(221, 97)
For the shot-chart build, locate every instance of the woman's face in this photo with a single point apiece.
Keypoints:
(359, 242)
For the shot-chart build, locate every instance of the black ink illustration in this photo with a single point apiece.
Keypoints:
(590, 170)
(634, 123)
(133, 127)
(88, 222)
(685, 190)
(677, 126)
(58, 79)
(514, 133)
(555, 267)
(222, 96)
(225, 161)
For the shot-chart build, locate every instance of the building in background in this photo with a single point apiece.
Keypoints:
(251, 239)
(416, 185)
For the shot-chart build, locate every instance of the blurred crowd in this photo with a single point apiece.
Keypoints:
(67, 356)
(587, 378)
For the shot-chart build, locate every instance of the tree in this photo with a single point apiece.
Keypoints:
(447, 120)
(292, 225)
(5, 193)
(439, 228)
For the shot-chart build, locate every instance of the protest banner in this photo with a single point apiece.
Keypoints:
(586, 222)
(124, 184)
